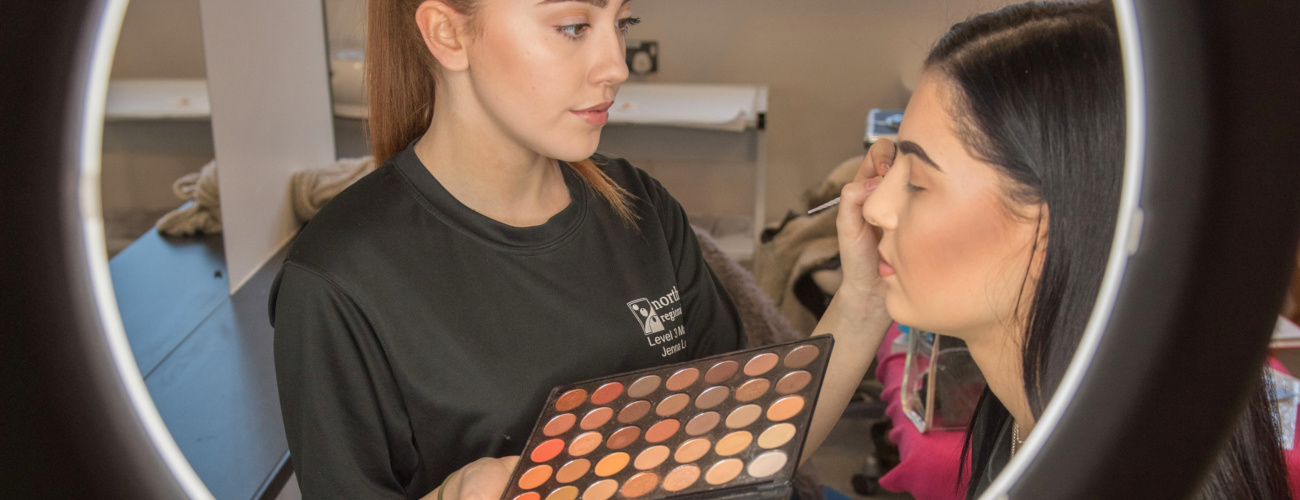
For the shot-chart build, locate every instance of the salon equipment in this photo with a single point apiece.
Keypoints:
(882, 124)
(676, 131)
(642, 57)
(941, 383)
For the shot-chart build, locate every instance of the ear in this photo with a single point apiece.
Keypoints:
(442, 29)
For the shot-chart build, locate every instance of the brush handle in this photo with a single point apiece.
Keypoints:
(825, 206)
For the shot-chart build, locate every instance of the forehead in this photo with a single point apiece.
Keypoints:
(927, 122)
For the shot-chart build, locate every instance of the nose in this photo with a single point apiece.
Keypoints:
(881, 208)
(610, 66)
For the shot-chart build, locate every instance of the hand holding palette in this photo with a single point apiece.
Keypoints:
(726, 426)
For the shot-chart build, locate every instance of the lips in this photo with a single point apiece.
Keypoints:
(596, 115)
(884, 269)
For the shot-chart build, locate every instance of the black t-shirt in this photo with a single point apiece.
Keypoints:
(414, 335)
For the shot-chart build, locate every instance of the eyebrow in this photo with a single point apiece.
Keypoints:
(600, 4)
(912, 148)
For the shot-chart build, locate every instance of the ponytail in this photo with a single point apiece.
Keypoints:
(400, 82)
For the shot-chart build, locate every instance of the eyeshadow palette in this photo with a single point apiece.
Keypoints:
(726, 426)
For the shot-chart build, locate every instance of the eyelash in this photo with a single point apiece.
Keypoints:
(912, 188)
(574, 31)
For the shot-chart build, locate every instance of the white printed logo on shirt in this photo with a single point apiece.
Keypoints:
(646, 314)
(652, 316)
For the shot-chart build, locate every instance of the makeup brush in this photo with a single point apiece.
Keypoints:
(825, 206)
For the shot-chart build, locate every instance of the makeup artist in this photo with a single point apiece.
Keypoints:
(422, 317)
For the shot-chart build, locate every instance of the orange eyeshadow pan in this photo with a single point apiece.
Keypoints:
(606, 393)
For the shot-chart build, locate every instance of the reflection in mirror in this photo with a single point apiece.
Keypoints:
(157, 128)
(995, 199)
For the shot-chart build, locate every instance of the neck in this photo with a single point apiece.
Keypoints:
(999, 359)
(484, 168)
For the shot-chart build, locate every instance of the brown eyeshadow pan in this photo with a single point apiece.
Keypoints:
(703, 423)
(644, 386)
(640, 484)
(761, 364)
(559, 425)
(732, 421)
(573, 471)
(793, 382)
(596, 418)
(571, 400)
(682, 379)
(563, 493)
(672, 404)
(623, 437)
(720, 372)
(634, 411)
(712, 397)
(752, 389)
(801, 356)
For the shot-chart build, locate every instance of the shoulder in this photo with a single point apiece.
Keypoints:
(357, 222)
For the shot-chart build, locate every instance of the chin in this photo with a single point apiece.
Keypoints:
(574, 149)
(902, 314)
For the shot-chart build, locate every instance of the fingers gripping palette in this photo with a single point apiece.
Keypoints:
(727, 426)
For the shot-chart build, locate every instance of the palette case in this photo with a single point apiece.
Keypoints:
(726, 426)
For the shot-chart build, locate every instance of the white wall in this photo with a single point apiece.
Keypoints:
(827, 62)
(160, 39)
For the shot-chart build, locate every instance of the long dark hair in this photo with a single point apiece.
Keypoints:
(1039, 93)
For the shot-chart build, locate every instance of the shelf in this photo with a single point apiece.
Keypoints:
(157, 99)
(705, 106)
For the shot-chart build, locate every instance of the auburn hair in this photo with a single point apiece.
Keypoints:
(401, 76)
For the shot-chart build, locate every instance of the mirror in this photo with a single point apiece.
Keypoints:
(1084, 428)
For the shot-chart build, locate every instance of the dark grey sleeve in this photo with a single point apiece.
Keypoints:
(347, 432)
(712, 323)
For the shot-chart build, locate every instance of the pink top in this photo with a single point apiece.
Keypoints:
(928, 462)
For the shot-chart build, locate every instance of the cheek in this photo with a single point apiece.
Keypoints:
(952, 261)
(519, 73)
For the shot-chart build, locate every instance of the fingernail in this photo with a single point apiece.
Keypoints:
(873, 183)
(888, 165)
